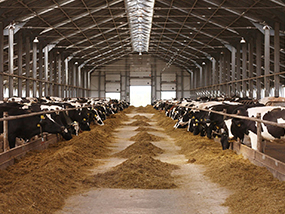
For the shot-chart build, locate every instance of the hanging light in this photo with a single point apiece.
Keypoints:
(242, 41)
(36, 40)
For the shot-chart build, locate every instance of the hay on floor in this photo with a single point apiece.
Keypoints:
(139, 123)
(145, 136)
(138, 172)
(140, 148)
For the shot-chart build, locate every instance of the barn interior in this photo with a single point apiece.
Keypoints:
(77, 136)
(175, 49)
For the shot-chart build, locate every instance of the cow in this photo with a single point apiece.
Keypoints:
(239, 128)
(273, 101)
(28, 127)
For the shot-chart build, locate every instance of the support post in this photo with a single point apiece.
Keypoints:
(250, 67)
(276, 58)
(259, 137)
(233, 69)
(238, 70)
(5, 133)
(244, 71)
(266, 60)
(28, 59)
(11, 59)
(66, 78)
(46, 70)
(258, 65)
(35, 42)
(40, 70)
(20, 64)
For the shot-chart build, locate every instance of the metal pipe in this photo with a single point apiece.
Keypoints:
(35, 67)
(46, 69)
(11, 58)
(276, 58)
(20, 63)
(27, 66)
(266, 59)
(5, 132)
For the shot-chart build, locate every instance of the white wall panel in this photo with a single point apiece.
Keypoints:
(113, 87)
(168, 87)
(168, 77)
(140, 82)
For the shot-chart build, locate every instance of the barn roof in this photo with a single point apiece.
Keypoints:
(184, 32)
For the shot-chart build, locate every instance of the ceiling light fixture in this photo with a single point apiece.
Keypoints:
(242, 41)
(140, 15)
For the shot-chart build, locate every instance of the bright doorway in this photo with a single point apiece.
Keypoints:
(140, 95)
(168, 95)
(116, 96)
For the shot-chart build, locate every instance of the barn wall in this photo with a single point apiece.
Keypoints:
(135, 70)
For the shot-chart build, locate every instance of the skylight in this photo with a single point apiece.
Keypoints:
(140, 14)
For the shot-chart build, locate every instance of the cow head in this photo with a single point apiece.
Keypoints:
(47, 124)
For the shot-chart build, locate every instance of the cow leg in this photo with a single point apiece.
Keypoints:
(225, 141)
(12, 140)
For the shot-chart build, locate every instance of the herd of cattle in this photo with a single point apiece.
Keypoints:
(189, 114)
(66, 122)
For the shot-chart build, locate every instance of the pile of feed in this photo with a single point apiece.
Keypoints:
(147, 109)
(139, 172)
(254, 188)
(140, 148)
(146, 129)
(145, 136)
(142, 118)
(139, 123)
(40, 181)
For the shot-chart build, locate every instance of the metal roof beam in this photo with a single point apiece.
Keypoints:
(81, 16)
(198, 16)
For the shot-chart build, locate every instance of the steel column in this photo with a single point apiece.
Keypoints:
(233, 69)
(11, 58)
(99, 83)
(62, 80)
(74, 94)
(28, 59)
(66, 78)
(250, 68)
(244, 76)
(258, 65)
(220, 74)
(85, 84)
(79, 81)
(214, 75)
(266, 60)
(40, 70)
(20, 63)
(51, 58)
(238, 71)
(46, 59)
(200, 77)
(59, 73)
(276, 58)
(34, 68)
(229, 77)
(89, 84)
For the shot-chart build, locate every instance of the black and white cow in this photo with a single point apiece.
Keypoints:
(28, 127)
(239, 128)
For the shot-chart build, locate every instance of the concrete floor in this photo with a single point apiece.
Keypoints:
(195, 193)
